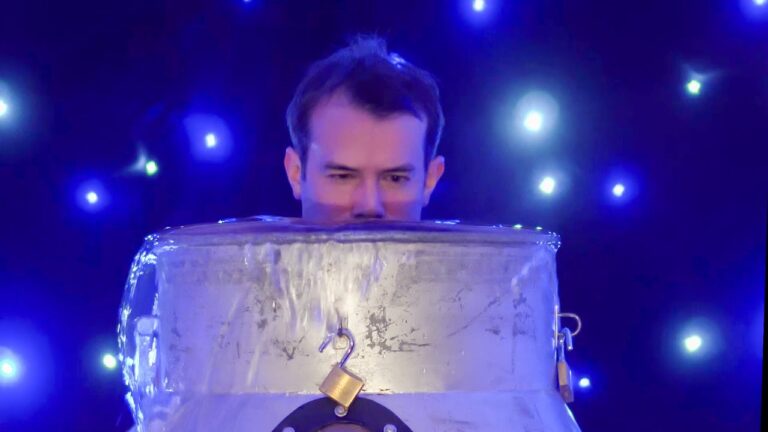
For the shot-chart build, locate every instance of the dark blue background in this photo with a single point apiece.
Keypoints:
(92, 80)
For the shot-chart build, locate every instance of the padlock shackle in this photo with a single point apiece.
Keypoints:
(342, 332)
(567, 338)
(575, 317)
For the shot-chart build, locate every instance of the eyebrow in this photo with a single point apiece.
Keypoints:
(332, 166)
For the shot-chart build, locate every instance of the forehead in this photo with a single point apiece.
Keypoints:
(348, 134)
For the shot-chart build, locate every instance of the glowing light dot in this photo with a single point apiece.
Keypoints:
(3, 108)
(151, 168)
(533, 121)
(694, 87)
(760, 2)
(547, 185)
(618, 190)
(517, 226)
(538, 228)
(692, 343)
(7, 368)
(92, 197)
(210, 140)
(478, 5)
(109, 361)
(585, 382)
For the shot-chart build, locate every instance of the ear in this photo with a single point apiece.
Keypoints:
(435, 170)
(292, 164)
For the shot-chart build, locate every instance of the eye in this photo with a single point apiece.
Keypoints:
(397, 178)
(340, 176)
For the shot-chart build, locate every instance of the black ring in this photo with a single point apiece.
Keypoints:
(319, 413)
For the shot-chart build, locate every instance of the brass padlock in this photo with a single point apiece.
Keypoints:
(564, 378)
(341, 385)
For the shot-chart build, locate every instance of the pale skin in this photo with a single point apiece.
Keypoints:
(361, 166)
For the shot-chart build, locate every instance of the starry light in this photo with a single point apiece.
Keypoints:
(10, 367)
(533, 121)
(151, 168)
(210, 140)
(547, 185)
(694, 87)
(92, 197)
(109, 361)
(618, 190)
(585, 383)
(692, 343)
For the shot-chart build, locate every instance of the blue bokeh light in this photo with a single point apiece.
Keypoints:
(209, 137)
(618, 190)
(547, 185)
(693, 343)
(754, 10)
(700, 337)
(109, 361)
(10, 367)
(210, 140)
(479, 13)
(92, 196)
(533, 121)
(693, 87)
(621, 184)
(531, 117)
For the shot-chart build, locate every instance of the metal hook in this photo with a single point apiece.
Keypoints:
(350, 343)
(566, 339)
(574, 316)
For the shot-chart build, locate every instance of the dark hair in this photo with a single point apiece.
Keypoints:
(374, 79)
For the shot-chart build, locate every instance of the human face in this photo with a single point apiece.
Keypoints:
(360, 166)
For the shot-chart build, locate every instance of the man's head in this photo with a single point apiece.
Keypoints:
(365, 126)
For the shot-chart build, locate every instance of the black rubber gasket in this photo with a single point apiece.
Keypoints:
(319, 413)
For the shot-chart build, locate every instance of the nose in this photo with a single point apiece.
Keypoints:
(367, 201)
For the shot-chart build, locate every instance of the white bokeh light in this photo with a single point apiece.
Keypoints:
(693, 86)
(7, 368)
(547, 185)
(693, 343)
(210, 140)
(10, 367)
(92, 197)
(533, 121)
(618, 190)
(529, 118)
(151, 168)
(109, 361)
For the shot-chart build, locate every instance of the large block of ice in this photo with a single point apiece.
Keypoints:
(455, 324)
